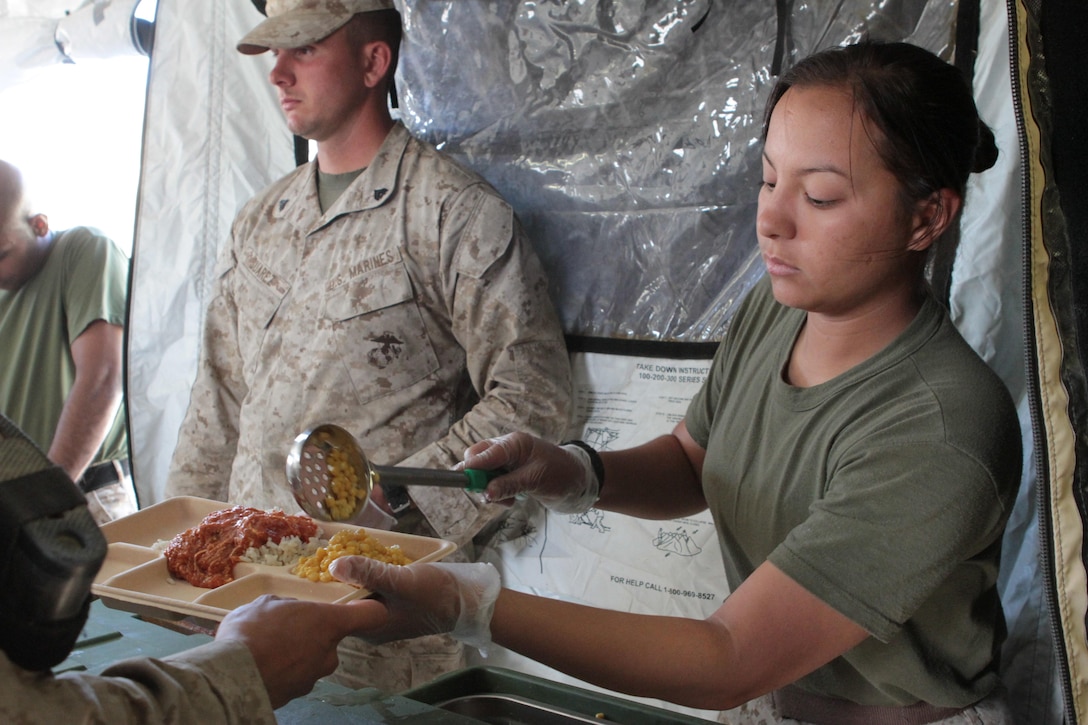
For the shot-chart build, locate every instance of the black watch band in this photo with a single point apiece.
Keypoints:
(594, 460)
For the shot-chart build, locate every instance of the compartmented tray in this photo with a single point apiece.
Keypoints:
(134, 576)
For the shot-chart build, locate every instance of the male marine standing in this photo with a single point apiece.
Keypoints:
(381, 287)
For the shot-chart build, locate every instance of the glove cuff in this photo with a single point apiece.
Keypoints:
(578, 502)
(473, 625)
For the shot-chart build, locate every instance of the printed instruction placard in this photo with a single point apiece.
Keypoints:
(602, 558)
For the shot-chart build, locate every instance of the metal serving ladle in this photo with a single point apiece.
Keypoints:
(331, 478)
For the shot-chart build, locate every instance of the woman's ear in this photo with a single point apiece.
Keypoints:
(40, 224)
(932, 217)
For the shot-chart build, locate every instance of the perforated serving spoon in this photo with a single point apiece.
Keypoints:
(331, 477)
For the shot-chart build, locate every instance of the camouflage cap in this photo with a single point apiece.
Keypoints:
(295, 23)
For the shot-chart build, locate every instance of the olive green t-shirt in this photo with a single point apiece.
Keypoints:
(84, 279)
(884, 492)
(331, 186)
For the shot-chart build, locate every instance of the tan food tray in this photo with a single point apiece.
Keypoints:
(134, 577)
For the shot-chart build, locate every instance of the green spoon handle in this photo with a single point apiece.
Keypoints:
(477, 479)
(470, 479)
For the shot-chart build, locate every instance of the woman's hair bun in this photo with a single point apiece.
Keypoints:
(986, 151)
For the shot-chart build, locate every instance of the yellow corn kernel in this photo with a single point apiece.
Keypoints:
(344, 493)
(349, 542)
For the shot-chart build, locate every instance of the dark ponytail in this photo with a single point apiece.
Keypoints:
(986, 152)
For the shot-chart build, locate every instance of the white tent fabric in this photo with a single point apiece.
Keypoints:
(99, 30)
(25, 45)
(40, 34)
(40, 8)
(213, 137)
(987, 304)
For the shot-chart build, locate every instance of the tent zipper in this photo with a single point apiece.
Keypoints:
(1039, 441)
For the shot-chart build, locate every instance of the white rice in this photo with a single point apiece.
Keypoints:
(286, 553)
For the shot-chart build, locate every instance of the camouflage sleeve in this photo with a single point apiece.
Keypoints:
(515, 352)
(208, 437)
(216, 682)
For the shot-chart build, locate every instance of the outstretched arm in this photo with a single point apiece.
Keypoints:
(264, 654)
(768, 633)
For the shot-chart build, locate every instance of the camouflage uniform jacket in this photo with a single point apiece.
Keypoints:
(216, 682)
(413, 312)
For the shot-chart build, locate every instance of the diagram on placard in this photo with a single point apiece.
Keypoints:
(677, 542)
(594, 519)
(600, 438)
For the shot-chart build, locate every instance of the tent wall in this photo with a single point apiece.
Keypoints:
(44, 33)
(213, 137)
(1049, 72)
(626, 136)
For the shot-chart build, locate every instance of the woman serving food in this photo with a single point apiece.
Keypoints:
(858, 457)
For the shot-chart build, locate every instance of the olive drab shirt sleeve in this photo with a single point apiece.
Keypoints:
(215, 683)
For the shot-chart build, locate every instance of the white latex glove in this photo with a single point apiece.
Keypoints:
(426, 598)
(560, 477)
